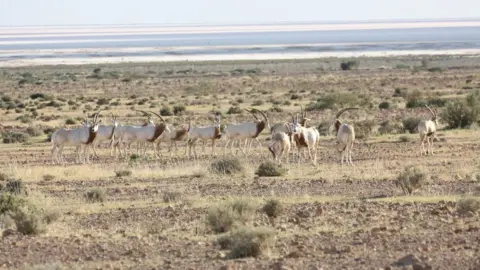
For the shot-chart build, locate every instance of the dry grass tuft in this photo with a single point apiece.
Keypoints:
(95, 195)
(468, 205)
(123, 173)
(171, 196)
(223, 217)
(227, 165)
(48, 177)
(247, 242)
(270, 169)
(273, 208)
(411, 179)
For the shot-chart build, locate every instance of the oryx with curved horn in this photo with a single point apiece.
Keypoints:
(426, 130)
(79, 137)
(345, 134)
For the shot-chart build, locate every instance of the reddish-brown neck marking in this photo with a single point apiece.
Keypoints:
(260, 128)
(180, 134)
(300, 140)
(217, 134)
(158, 131)
(91, 135)
(337, 124)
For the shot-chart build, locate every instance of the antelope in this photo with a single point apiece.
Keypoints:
(280, 145)
(286, 127)
(345, 135)
(426, 130)
(305, 138)
(249, 130)
(105, 133)
(142, 134)
(173, 136)
(203, 133)
(82, 136)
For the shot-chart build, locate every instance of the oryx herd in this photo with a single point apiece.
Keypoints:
(282, 136)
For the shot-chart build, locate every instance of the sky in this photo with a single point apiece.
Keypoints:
(75, 12)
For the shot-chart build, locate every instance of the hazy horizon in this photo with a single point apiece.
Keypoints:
(30, 13)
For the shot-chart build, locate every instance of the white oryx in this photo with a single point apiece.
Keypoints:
(245, 131)
(345, 134)
(140, 134)
(173, 135)
(79, 137)
(105, 133)
(426, 130)
(304, 137)
(203, 134)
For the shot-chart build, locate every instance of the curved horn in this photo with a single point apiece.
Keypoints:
(161, 118)
(251, 111)
(433, 114)
(144, 112)
(263, 114)
(344, 110)
(96, 116)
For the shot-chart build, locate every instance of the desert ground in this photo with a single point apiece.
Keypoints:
(178, 212)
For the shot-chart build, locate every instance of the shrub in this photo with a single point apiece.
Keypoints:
(416, 103)
(404, 138)
(28, 221)
(15, 137)
(390, 127)
(48, 177)
(95, 195)
(411, 179)
(384, 105)
(364, 129)
(10, 203)
(227, 165)
(103, 101)
(34, 131)
(272, 208)
(458, 114)
(349, 65)
(70, 121)
(258, 102)
(468, 205)
(179, 109)
(166, 111)
(269, 168)
(222, 218)
(410, 124)
(123, 173)
(247, 242)
(15, 187)
(234, 110)
(172, 196)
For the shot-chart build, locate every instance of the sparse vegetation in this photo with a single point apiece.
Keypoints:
(227, 165)
(247, 242)
(411, 179)
(123, 173)
(223, 217)
(468, 205)
(269, 168)
(95, 195)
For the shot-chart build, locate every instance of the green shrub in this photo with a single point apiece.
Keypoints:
(34, 131)
(227, 165)
(234, 110)
(458, 114)
(179, 109)
(390, 127)
(166, 111)
(10, 202)
(384, 105)
(70, 121)
(29, 221)
(269, 168)
(349, 65)
(410, 124)
(15, 137)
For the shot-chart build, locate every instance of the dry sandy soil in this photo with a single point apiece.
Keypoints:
(335, 217)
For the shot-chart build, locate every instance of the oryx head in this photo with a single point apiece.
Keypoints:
(434, 114)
